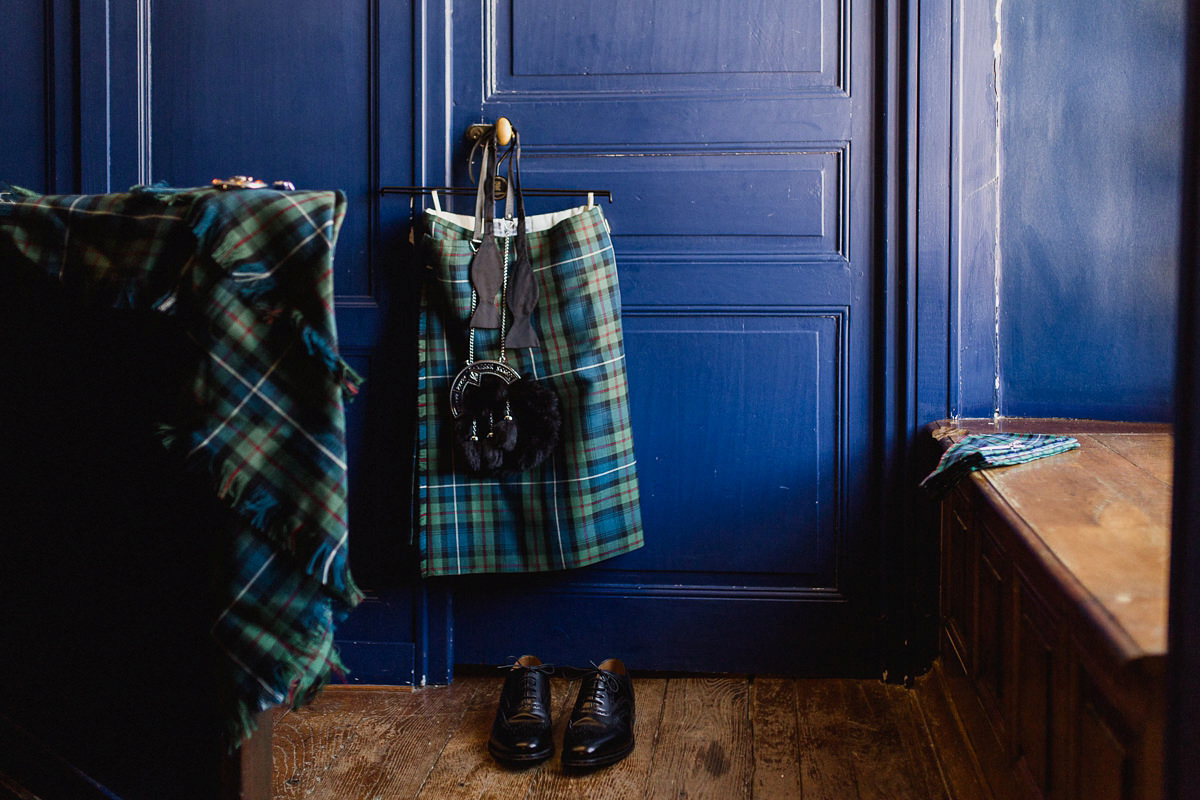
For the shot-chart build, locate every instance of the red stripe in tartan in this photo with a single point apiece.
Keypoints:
(303, 484)
(621, 444)
(327, 277)
(258, 449)
(588, 502)
(247, 329)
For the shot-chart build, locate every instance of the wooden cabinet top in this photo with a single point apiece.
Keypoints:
(1098, 518)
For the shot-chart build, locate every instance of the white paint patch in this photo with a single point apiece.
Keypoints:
(997, 50)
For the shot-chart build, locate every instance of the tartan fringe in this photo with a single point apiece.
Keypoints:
(319, 347)
(263, 511)
(241, 722)
(313, 660)
(260, 508)
(274, 664)
(294, 682)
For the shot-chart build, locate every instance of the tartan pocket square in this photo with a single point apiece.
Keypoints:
(983, 450)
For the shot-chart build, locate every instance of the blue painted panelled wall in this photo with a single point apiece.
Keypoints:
(1037, 183)
(1091, 110)
(1044, 207)
(1089, 126)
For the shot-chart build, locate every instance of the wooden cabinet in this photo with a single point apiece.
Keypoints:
(1054, 607)
(1038, 687)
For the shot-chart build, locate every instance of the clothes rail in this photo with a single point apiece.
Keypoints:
(414, 190)
(502, 133)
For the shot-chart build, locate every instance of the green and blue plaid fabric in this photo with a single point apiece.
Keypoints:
(982, 450)
(581, 505)
(248, 275)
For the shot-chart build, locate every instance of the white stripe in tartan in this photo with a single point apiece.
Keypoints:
(236, 410)
(542, 482)
(67, 233)
(331, 225)
(564, 262)
(277, 697)
(542, 268)
(245, 588)
(247, 277)
(256, 391)
(447, 376)
(579, 370)
(105, 212)
(333, 553)
(558, 527)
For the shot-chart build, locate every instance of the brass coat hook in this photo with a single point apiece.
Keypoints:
(503, 130)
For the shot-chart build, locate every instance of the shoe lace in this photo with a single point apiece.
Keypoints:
(529, 685)
(541, 669)
(597, 693)
(529, 682)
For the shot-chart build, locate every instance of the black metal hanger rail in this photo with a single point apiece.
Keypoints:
(503, 132)
(413, 190)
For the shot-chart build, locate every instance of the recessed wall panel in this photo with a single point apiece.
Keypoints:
(24, 96)
(619, 45)
(737, 421)
(786, 202)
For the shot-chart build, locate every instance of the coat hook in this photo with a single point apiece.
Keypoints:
(503, 130)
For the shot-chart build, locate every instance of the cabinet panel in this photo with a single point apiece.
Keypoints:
(1103, 752)
(1036, 690)
(959, 558)
(993, 611)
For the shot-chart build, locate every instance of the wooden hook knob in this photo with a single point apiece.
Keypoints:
(504, 131)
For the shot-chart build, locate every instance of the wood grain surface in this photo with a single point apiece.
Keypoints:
(758, 738)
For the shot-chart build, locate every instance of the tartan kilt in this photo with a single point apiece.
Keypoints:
(581, 505)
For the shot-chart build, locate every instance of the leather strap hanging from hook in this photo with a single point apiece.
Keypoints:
(522, 293)
(486, 269)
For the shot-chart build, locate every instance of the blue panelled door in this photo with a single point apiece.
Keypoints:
(737, 141)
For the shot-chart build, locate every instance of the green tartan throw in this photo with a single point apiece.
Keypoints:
(248, 275)
(581, 505)
(982, 450)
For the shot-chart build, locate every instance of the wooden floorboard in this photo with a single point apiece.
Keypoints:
(776, 738)
(703, 750)
(697, 737)
(957, 764)
(628, 780)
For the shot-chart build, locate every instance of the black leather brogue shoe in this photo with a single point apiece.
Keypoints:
(521, 732)
(600, 731)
